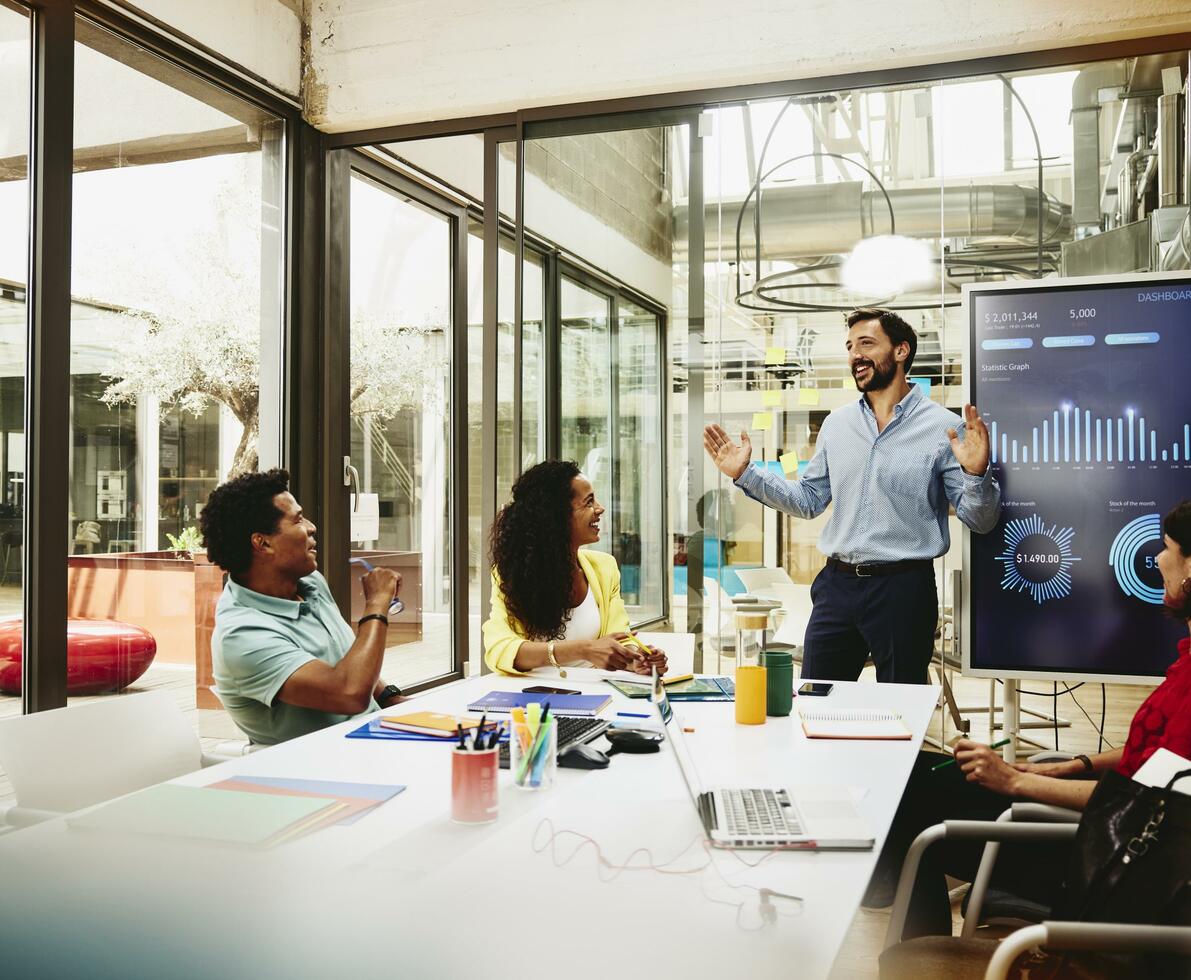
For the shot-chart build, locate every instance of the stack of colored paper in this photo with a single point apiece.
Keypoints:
(258, 811)
(355, 799)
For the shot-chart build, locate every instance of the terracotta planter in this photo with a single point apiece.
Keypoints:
(170, 594)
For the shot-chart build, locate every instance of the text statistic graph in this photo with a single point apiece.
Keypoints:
(1082, 384)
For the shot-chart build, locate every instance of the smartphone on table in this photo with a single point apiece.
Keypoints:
(543, 689)
(815, 689)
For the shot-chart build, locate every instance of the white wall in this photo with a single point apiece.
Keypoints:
(264, 36)
(381, 62)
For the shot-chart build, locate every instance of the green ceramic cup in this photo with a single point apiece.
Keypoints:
(779, 682)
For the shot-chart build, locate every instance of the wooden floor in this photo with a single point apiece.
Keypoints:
(858, 956)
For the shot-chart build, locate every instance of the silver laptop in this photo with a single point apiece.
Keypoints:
(824, 819)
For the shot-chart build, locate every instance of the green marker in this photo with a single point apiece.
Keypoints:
(951, 761)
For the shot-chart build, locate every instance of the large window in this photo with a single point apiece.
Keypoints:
(400, 407)
(176, 270)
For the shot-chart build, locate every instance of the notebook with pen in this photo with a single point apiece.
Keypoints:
(565, 705)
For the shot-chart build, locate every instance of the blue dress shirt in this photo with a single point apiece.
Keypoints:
(891, 489)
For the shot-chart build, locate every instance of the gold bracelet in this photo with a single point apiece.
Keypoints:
(553, 661)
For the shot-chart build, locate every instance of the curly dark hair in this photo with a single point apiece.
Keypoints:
(236, 511)
(1177, 525)
(531, 549)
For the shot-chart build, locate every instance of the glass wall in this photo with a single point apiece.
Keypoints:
(401, 328)
(585, 394)
(177, 260)
(811, 207)
(14, 270)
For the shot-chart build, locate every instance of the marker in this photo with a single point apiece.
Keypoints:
(952, 760)
(688, 730)
(630, 714)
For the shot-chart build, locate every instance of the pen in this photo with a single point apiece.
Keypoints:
(462, 743)
(475, 742)
(630, 714)
(952, 760)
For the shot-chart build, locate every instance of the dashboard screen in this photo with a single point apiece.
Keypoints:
(1086, 390)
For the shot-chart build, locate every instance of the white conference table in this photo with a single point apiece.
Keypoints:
(404, 887)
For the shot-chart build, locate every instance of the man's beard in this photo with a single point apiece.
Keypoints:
(880, 376)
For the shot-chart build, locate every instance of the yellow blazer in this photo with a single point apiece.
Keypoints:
(503, 635)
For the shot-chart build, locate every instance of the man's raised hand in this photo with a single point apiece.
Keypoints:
(730, 459)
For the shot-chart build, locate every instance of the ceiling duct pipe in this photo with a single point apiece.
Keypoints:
(1085, 135)
(826, 219)
(1168, 150)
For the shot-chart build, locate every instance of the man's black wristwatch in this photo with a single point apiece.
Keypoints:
(390, 691)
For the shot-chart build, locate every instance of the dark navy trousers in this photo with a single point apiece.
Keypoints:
(891, 618)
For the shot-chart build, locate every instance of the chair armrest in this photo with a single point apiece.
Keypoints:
(1097, 936)
(231, 749)
(975, 830)
(1044, 813)
(1021, 813)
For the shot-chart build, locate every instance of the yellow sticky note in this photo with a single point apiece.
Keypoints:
(808, 396)
(771, 399)
(789, 463)
(762, 421)
(775, 355)
(850, 383)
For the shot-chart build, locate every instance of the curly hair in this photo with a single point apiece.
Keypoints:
(1177, 526)
(531, 549)
(236, 511)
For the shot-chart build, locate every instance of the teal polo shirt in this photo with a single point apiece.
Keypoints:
(260, 640)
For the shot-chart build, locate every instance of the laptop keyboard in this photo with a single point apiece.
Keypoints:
(759, 812)
(571, 731)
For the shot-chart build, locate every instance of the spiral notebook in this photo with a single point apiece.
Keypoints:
(853, 723)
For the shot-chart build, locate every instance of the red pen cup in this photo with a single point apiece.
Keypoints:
(474, 797)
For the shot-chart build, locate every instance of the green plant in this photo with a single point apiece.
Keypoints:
(189, 540)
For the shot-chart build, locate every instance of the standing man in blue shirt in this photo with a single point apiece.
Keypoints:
(891, 462)
(285, 661)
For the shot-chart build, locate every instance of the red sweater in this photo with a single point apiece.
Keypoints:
(1164, 719)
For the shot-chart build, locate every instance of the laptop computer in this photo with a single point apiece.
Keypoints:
(811, 819)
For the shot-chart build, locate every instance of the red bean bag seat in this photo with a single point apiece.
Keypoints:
(101, 655)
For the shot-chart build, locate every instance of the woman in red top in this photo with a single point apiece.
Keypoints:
(983, 785)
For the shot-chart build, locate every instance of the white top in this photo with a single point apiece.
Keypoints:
(582, 623)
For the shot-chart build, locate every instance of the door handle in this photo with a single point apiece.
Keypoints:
(351, 478)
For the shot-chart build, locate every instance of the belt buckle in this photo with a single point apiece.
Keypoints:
(860, 573)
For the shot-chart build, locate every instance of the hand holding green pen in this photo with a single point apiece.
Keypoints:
(952, 761)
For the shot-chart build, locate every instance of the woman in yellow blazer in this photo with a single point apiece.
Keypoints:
(552, 603)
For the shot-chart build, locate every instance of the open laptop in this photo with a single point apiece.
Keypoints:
(814, 819)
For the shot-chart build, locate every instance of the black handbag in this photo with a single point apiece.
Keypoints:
(1131, 860)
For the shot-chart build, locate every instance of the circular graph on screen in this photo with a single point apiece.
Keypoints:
(1124, 554)
(1037, 559)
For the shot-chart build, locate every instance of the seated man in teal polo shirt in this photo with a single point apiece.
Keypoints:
(285, 661)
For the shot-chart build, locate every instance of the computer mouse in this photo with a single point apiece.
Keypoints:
(583, 757)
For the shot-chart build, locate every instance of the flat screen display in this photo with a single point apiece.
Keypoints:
(1086, 388)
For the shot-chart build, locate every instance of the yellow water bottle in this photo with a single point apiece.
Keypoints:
(750, 676)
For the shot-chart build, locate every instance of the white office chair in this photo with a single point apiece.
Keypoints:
(758, 580)
(719, 624)
(62, 760)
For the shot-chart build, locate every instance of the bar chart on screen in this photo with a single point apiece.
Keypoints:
(1073, 434)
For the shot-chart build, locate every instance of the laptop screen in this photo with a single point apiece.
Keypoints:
(674, 735)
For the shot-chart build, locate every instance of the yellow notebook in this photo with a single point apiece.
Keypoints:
(429, 723)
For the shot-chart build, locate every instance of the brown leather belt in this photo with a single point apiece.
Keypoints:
(880, 568)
